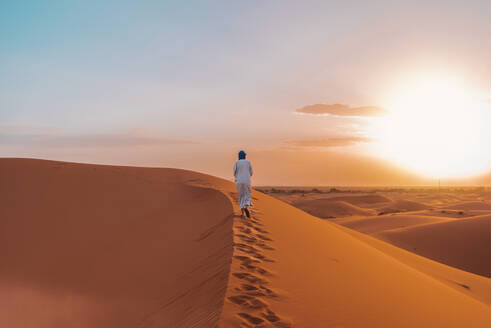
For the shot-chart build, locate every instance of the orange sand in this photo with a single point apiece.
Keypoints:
(376, 224)
(326, 208)
(103, 246)
(464, 244)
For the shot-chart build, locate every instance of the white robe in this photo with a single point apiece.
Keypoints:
(244, 191)
(242, 174)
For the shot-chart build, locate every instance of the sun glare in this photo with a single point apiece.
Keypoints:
(436, 126)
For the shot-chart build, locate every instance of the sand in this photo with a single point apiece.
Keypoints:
(464, 244)
(102, 246)
(403, 206)
(324, 277)
(327, 208)
(472, 206)
(105, 246)
(375, 224)
(430, 222)
(360, 200)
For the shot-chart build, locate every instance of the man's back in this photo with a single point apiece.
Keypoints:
(242, 171)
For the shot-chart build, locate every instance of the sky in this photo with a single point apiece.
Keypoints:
(307, 88)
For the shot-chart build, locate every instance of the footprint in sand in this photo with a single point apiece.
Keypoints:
(256, 222)
(251, 293)
(253, 252)
(264, 246)
(275, 319)
(244, 230)
(250, 278)
(246, 248)
(248, 301)
(251, 264)
(264, 237)
(256, 269)
(269, 315)
(261, 230)
(249, 239)
(246, 259)
(250, 319)
(254, 241)
(259, 290)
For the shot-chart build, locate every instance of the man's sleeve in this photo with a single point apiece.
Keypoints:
(235, 169)
(250, 168)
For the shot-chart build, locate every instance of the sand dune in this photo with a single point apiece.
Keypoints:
(101, 246)
(479, 287)
(451, 213)
(327, 208)
(360, 200)
(376, 224)
(403, 206)
(464, 244)
(466, 206)
(320, 276)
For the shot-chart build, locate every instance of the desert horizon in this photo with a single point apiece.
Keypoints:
(245, 164)
(397, 179)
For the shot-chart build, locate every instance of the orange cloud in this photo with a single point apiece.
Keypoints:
(82, 141)
(342, 110)
(329, 142)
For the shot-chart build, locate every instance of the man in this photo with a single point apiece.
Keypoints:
(242, 174)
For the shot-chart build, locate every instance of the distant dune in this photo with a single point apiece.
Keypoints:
(466, 206)
(464, 244)
(362, 199)
(105, 246)
(451, 213)
(377, 224)
(327, 208)
(403, 206)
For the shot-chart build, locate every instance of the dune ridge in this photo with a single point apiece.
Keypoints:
(328, 208)
(360, 200)
(464, 243)
(348, 283)
(377, 224)
(102, 246)
(476, 286)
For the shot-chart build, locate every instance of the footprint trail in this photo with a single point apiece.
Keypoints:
(253, 294)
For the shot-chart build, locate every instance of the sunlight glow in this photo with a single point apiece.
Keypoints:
(436, 126)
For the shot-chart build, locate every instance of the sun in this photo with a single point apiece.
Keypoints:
(436, 126)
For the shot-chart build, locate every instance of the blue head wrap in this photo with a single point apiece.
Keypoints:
(242, 154)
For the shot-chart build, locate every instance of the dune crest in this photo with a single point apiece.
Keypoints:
(327, 208)
(360, 200)
(102, 246)
(377, 224)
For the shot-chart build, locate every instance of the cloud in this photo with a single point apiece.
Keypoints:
(329, 142)
(86, 141)
(342, 110)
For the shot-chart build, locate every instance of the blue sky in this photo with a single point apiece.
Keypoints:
(224, 73)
